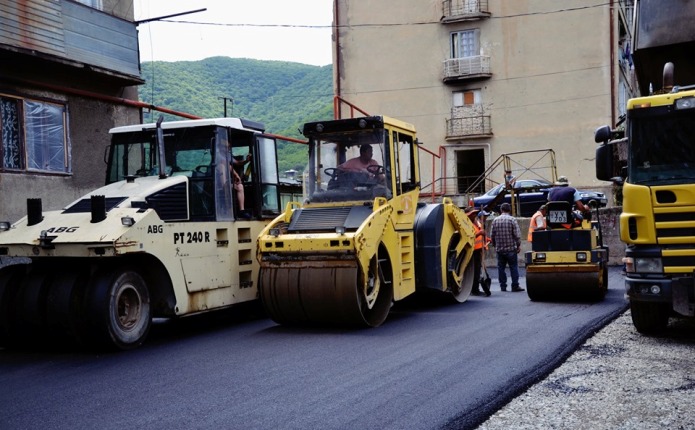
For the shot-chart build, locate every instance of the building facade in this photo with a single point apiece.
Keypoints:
(484, 78)
(68, 70)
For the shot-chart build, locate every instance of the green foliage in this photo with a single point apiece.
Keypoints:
(281, 95)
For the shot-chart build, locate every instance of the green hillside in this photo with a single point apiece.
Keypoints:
(281, 95)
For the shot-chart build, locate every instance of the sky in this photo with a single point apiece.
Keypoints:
(284, 30)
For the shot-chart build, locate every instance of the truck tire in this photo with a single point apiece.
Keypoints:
(10, 278)
(118, 310)
(649, 318)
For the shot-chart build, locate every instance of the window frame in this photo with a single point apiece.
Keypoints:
(30, 150)
(458, 43)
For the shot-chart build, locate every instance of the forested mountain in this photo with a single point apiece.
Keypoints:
(281, 95)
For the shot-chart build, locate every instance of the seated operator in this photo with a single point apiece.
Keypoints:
(362, 163)
(562, 192)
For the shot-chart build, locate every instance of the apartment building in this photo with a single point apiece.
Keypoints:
(483, 78)
(68, 70)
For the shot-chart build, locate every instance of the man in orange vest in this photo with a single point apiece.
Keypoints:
(480, 244)
(537, 221)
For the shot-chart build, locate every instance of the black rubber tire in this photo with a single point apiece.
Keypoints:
(375, 307)
(535, 292)
(649, 318)
(31, 305)
(62, 305)
(460, 280)
(10, 280)
(117, 309)
(603, 287)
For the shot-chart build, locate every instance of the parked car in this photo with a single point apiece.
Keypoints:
(531, 194)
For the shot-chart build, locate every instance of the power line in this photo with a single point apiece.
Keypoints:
(306, 26)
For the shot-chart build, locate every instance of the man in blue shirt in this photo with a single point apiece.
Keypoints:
(562, 192)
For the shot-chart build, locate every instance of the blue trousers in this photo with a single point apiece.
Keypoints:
(504, 259)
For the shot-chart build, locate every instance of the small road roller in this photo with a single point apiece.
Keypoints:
(568, 261)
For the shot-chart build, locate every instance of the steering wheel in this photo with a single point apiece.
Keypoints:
(376, 169)
(203, 169)
(332, 172)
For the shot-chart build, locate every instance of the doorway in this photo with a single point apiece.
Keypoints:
(470, 164)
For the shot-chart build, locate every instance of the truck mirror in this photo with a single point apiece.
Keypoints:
(604, 161)
(602, 134)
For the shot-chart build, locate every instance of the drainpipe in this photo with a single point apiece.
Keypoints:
(336, 62)
(612, 49)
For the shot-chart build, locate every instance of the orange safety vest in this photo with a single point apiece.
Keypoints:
(533, 224)
(479, 238)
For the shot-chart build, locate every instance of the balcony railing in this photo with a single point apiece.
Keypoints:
(476, 67)
(464, 10)
(468, 122)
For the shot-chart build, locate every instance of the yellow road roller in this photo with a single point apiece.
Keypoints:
(361, 240)
(568, 261)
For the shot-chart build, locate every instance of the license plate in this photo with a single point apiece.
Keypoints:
(557, 217)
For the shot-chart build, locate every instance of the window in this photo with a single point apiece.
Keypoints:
(33, 135)
(96, 4)
(465, 43)
(466, 98)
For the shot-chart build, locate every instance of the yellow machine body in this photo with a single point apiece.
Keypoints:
(361, 240)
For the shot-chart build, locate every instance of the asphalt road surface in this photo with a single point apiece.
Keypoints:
(430, 366)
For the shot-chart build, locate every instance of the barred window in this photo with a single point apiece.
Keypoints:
(34, 136)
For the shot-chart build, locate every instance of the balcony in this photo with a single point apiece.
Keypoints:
(71, 35)
(468, 122)
(464, 10)
(467, 68)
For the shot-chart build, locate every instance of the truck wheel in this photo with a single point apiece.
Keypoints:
(10, 278)
(118, 307)
(62, 304)
(649, 318)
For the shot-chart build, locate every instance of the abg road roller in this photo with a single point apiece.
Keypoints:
(361, 240)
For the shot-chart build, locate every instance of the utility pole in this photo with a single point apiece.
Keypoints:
(225, 105)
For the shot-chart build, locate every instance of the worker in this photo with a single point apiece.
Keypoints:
(506, 238)
(477, 251)
(485, 280)
(236, 167)
(362, 163)
(562, 192)
(538, 222)
(509, 179)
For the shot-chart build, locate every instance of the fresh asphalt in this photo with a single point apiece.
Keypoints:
(431, 365)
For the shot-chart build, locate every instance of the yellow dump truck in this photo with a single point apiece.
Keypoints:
(658, 222)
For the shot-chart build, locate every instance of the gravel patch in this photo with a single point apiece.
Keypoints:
(618, 379)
